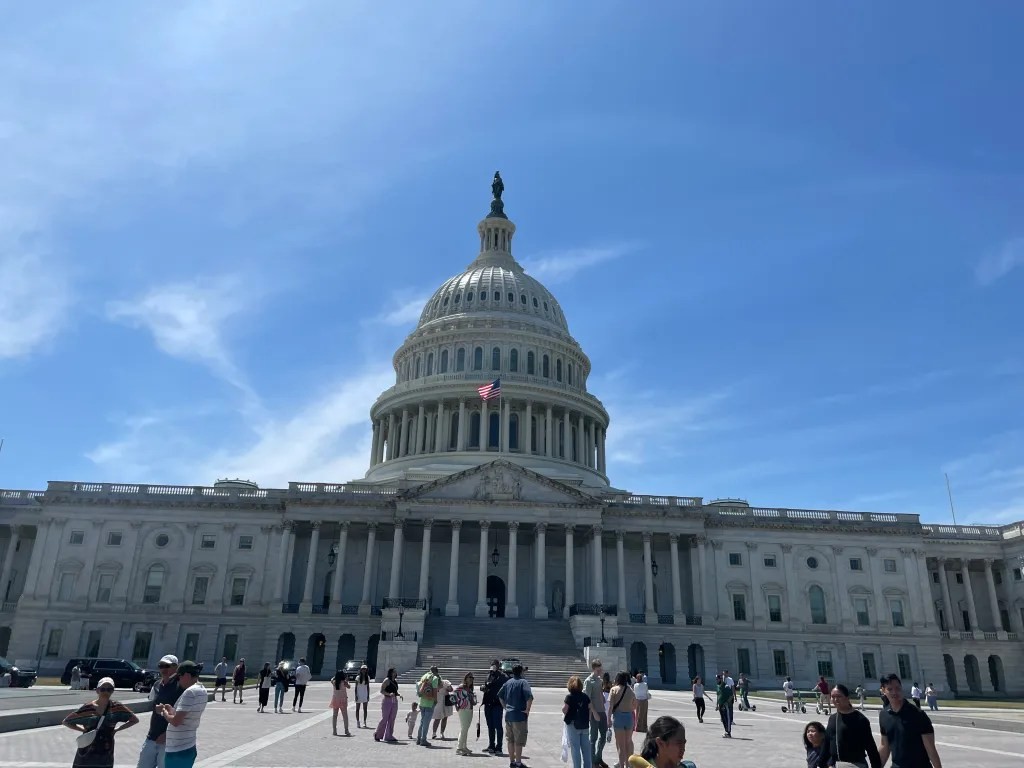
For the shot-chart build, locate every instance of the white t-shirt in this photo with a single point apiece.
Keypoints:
(729, 682)
(302, 674)
(193, 702)
(221, 670)
(787, 688)
(915, 692)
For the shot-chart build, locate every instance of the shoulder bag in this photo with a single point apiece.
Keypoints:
(86, 739)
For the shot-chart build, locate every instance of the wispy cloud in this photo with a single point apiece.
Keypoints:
(33, 301)
(404, 311)
(558, 266)
(996, 265)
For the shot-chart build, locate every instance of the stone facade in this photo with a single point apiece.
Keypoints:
(503, 509)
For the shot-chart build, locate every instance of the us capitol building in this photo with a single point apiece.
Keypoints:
(503, 510)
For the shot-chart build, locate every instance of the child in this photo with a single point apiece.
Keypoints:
(410, 718)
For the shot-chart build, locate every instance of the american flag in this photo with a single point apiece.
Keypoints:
(488, 391)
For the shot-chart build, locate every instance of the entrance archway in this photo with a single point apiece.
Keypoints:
(371, 655)
(495, 597)
(995, 673)
(973, 673)
(667, 663)
(5, 640)
(950, 666)
(315, 648)
(285, 647)
(637, 657)
(346, 651)
(695, 661)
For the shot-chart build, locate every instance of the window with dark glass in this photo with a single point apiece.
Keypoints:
(496, 359)
(513, 360)
(478, 359)
(460, 360)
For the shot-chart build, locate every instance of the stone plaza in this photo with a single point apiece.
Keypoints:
(234, 736)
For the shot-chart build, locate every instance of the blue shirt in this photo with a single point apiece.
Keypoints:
(515, 694)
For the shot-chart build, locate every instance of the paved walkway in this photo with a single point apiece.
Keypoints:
(234, 736)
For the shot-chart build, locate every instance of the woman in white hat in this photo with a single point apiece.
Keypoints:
(98, 721)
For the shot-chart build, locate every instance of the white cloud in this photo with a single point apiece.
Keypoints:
(33, 302)
(405, 312)
(558, 266)
(1001, 262)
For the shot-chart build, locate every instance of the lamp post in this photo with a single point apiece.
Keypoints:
(495, 556)
(603, 640)
(401, 613)
(332, 555)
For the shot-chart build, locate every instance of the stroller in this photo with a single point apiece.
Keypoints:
(798, 705)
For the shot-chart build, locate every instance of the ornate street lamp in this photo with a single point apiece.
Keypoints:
(654, 566)
(603, 640)
(332, 556)
(495, 556)
(401, 613)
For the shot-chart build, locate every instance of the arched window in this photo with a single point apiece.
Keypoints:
(460, 360)
(545, 367)
(417, 368)
(558, 369)
(568, 372)
(474, 430)
(513, 360)
(154, 584)
(817, 598)
(430, 365)
(496, 359)
(513, 432)
(444, 361)
(497, 295)
(478, 359)
(453, 433)
(494, 431)
(529, 363)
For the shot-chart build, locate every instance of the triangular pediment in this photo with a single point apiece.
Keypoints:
(500, 482)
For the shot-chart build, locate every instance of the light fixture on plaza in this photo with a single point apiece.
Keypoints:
(332, 556)
(495, 556)
(401, 614)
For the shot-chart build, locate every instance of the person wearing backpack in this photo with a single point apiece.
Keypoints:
(427, 689)
(576, 716)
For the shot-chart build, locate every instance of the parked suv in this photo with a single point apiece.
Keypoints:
(21, 677)
(351, 670)
(125, 674)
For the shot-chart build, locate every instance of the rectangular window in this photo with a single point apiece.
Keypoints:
(230, 646)
(114, 539)
(896, 609)
(743, 661)
(890, 565)
(103, 589)
(739, 607)
(140, 648)
(860, 605)
(935, 577)
(209, 541)
(237, 594)
(66, 591)
(191, 646)
(735, 558)
(856, 564)
(92, 643)
(870, 671)
(997, 577)
(903, 660)
(779, 659)
(77, 537)
(959, 578)
(1004, 619)
(774, 608)
(245, 542)
(54, 642)
(1018, 574)
(199, 587)
(769, 561)
(825, 664)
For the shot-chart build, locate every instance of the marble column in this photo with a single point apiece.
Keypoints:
(527, 446)
(314, 545)
(511, 599)
(403, 435)
(916, 607)
(580, 434)
(5, 572)
(695, 578)
(948, 609)
(570, 570)
(451, 608)
(425, 560)
(566, 436)
(598, 564)
(392, 437)
(37, 554)
(540, 609)
(602, 466)
(339, 571)
(281, 593)
(506, 423)
(439, 430)
(924, 585)
(481, 582)
(548, 432)
(395, 582)
(461, 445)
(677, 595)
(371, 544)
(706, 606)
(620, 552)
(421, 431)
(649, 608)
(1016, 620)
(375, 443)
(592, 446)
(972, 611)
(993, 600)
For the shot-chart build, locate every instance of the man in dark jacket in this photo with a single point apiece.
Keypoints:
(164, 691)
(493, 710)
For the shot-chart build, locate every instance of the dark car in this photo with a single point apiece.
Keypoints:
(124, 673)
(351, 670)
(21, 677)
(507, 664)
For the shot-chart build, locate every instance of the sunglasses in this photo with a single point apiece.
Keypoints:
(105, 689)
(163, 666)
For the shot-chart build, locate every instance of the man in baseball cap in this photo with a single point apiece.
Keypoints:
(164, 691)
(183, 718)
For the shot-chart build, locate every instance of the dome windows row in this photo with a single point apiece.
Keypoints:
(494, 299)
(543, 365)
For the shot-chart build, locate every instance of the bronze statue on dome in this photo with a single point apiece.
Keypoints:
(497, 187)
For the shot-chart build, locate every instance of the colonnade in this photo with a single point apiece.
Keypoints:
(524, 426)
(954, 618)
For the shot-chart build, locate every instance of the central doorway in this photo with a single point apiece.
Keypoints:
(495, 597)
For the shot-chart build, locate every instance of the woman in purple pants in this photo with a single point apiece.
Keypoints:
(388, 708)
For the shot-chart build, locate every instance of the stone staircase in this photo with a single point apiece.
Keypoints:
(458, 645)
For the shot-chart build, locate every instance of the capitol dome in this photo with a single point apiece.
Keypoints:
(490, 322)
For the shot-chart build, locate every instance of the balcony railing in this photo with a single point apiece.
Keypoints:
(694, 621)
(375, 610)
(8, 607)
(289, 607)
(320, 609)
(592, 609)
(637, 618)
(666, 618)
(407, 603)
(350, 610)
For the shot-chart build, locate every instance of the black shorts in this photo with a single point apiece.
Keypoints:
(220, 681)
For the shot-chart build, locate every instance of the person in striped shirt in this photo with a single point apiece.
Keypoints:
(183, 718)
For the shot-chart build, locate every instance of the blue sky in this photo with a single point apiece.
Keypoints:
(789, 235)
